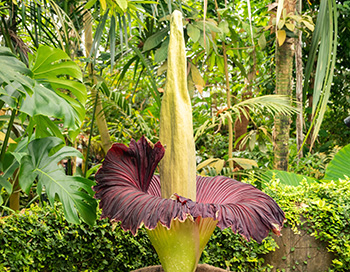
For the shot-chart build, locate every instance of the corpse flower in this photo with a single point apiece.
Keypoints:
(179, 210)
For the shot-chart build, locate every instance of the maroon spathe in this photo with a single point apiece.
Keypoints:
(130, 193)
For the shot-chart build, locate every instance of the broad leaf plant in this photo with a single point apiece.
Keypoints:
(40, 98)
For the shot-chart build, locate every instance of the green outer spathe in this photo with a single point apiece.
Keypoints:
(178, 167)
(180, 247)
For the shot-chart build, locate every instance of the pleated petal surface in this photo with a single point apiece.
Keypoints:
(130, 193)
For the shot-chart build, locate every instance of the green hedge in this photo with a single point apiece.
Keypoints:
(39, 239)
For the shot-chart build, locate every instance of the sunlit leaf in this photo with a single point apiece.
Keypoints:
(193, 32)
(339, 166)
(2, 138)
(287, 178)
(197, 78)
(89, 4)
(290, 26)
(245, 163)
(206, 163)
(103, 4)
(281, 37)
(262, 41)
(123, 4)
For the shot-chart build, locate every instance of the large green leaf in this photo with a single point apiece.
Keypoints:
(52, 66)
(75, 193)
(14, 75)
(46, 102)
(339, 166)
(287, 178)
(155, 39)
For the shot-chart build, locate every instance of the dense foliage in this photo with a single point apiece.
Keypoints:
(39, 238)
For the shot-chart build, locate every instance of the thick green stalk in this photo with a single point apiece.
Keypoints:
(178, 167)
(7, 136)
(86, 165)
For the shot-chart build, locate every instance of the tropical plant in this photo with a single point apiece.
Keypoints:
(179, 209)
(48, 107)
(337, 169)
(325, 34)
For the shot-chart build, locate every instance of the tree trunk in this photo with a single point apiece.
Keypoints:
(242, 122)
(284, 69)
(100, 117)
(299, 88)
(14, 197)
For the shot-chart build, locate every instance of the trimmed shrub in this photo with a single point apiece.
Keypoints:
(40, 239)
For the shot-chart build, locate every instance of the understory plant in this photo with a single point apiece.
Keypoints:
(179, 210)
(45, 106)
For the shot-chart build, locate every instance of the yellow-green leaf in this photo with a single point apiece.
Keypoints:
(103, 4)
(206, 163)
(262, 41)
(281, 23)
(281, 37)
(218, 165)
(245, 163)
(123, 4)
(2, 138)
(197, 79)
(309, 25)
(290, 26)
(89, 4)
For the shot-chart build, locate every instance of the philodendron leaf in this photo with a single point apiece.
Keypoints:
(50, 62)
(14, 74)
(54, 69)
(75, 193)
(46, 102)
(339, 166)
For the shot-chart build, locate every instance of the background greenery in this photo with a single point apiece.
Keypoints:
(107, 88)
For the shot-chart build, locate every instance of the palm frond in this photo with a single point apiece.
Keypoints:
(271, 104)
(325, 37)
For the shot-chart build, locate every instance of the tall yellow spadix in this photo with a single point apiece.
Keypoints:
(178, 167)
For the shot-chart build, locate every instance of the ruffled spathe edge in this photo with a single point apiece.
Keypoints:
(130, 193)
